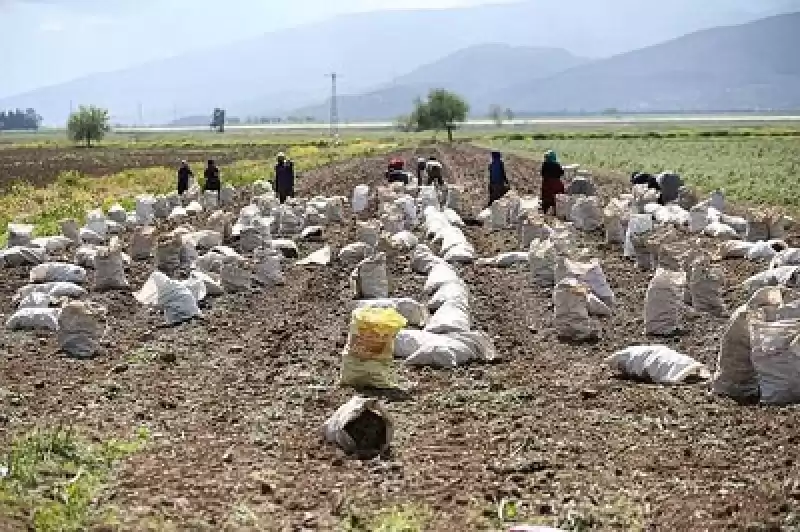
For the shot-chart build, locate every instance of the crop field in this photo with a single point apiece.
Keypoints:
(214, 424)
(751, 169)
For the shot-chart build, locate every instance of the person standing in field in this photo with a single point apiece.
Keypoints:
(185, 175)
(421, 165)
(284, 178)
(498, 182)
(212, 179)
(552, 185)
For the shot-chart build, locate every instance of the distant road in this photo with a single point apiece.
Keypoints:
(600, 120)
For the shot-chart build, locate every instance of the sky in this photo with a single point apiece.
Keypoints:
(44, 42)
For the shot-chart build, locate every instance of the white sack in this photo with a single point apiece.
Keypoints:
(440, 274)
(143, 243)
(787, 257)
(55, 290)
(460, 254)
(234, 277)
(110, 268)
(52, 244)
(82, 326)
(505, 260)
(34, 319)
(334, 430)
(145, 209)
(321, 257)
(706, 286)
(404, 241)
(368, 233)
(781, 276)
(451, 350)
(453, 291)
(450, 317)
(212, 282)
(360, 198)
(268, 269)
(776, 360)
(571, 308)
(355, 252)
(176, 300)
(638, 225)
(49, 272)
(590, 273)
(657, 363)
(370, 280)
(663, 312)
(587, 213)
(542, 262)
(720, 230)
(22, 256)
(423, 259)
(19, 235)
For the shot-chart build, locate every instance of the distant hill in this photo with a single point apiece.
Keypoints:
(750, 66)
(285, 70)
(475, 73)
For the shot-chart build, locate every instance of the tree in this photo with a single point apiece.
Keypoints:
(496, 114)
(20, 120)
(509, 114)
(442, 110)
(88, 124)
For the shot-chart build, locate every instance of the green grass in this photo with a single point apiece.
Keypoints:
(51, 478)
(403, 518)
(750, 169)
(72, 194)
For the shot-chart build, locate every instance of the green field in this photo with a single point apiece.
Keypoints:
(755, 168)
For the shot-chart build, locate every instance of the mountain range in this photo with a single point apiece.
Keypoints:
(534, 55)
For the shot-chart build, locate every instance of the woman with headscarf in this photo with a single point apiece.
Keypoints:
(184, 176)
(498, 182)
(212, 179)
(552, 172)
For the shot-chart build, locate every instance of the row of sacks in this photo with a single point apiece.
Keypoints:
(759, 355)
(446, 338)
(508, 211)
(444, 229)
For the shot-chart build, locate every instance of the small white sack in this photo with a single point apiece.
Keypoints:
(110, 268)
(735, 375)
(368, 233)
(145, 209)
(735, 249)
(143, 243)
(782, 276)
(22, 256)
(234, 277)
(450, 317)
(360, 198)
(787, 257)
(96, 222)
(212, 282)
(587, 213)
(404, 241)
(505, 260)
(50, 272)
(370, 279)
(776, 360)
(571, 307)
(590, 273)
(268, 270)
(453, 291)
(70, 229)
(454, 218)
(51, 290)
(313, 232)
(176, 300)
(354, 252)
(531, 228)
(52, 244)
(321, 257)
(720, 230)
(82, 326)
(335, 428)
(705, 286)
(663, 306)
(638, 224)
(36, 300)
(542, 263)
(658, 364)
(460, 254)
(440, 274)
(452, 350)
(423, 259)
(35, 319)
(19, 235)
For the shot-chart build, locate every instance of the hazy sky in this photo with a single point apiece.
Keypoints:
(48, 41)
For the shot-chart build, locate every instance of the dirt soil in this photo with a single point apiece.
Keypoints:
(235, 403)
(41, 166)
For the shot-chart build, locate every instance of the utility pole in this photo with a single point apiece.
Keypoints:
(334, 123)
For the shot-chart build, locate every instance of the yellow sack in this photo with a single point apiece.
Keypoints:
(368, 356)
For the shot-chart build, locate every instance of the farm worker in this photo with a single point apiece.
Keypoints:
(435, 171)
(284, 178)
(421, 165)
(395, 172)
(643, 178)
(552, 172)
(211, 175)
(184, 175)
(498, 182)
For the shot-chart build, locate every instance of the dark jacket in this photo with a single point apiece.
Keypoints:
(212, 180)
(184, 174)
(645, 179)
(397, 176)
(497, 172)
(551, 170)
(284, 175)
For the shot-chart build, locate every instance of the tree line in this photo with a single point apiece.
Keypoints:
(19, 119)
